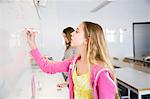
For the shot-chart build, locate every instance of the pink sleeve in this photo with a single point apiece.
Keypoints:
(106, 86)
(54, 67)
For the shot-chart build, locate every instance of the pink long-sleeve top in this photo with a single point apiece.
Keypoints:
(102, 84)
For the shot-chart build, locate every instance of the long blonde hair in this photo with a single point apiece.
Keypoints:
(97, 49)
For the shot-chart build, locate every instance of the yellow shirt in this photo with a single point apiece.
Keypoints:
(82, 86)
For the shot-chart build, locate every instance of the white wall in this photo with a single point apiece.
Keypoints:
(121, 14)
(116, 15)
(51, 38)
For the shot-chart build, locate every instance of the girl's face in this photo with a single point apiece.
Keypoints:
(78, 37)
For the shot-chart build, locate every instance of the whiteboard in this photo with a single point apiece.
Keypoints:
(15, 69)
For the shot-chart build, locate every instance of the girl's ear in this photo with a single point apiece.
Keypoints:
(86, 41)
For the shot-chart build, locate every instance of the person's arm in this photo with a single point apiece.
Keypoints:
(46, 66)
(106, 86)
(50, 67)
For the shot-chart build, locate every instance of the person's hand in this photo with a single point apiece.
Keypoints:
(62, 85)
(46, 58)
(31, 38)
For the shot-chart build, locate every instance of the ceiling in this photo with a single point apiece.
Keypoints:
(90, 5)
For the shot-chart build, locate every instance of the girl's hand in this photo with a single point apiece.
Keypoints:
(31, 38)
(46, 58)
(62, 85)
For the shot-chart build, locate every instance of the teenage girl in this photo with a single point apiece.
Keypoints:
(91, 75)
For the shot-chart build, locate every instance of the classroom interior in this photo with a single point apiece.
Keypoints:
(126, 25)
